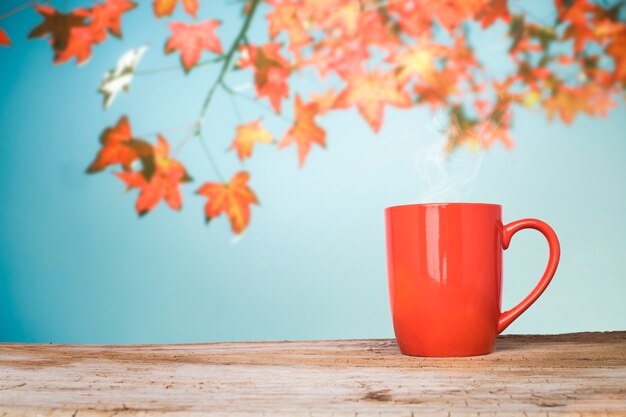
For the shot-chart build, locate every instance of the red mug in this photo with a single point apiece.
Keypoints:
(444, 266)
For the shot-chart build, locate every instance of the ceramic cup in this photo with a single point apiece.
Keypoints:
(444, 266)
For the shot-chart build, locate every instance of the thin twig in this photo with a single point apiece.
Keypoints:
(253, 100)
(208, 154)
(219, 83)
(171, 129)
(183, 142)
(176, 67)
(18, 9)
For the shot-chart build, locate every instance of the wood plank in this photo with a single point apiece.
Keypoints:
(570, 374)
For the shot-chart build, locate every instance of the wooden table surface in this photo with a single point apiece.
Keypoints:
(571, 374)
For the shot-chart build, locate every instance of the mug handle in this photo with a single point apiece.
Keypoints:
(508, 231)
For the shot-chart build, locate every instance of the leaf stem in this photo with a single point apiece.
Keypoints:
(171, 129)
(219, 83)
(176, 68)
(18, 9)
(264, 106)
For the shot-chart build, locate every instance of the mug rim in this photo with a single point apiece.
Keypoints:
(444, 204)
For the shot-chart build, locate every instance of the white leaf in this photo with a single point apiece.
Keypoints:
(119, 79)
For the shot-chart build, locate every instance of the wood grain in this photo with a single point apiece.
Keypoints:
(570, 374)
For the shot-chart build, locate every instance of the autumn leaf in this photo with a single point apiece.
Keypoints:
(305, 131)
(450, 14)
(233, 198)
(79, 46)
(617, 50)
(324, 101)
(274, 86)
(343, 17)
(567, 102)
(4, 38)
(119, 147)
(285, 17)
(418, 60)
(191, 7)
(191, 39)
(58, 25)
(161, 184)
(337, 58)
(247, 136)
(411, 17)
(437, 89)
(271, 71)
(108, 16)
(119, 78)
(370, 92)
(166, 7)
(492, 11)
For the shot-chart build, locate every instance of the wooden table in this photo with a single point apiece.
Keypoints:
(571, 374)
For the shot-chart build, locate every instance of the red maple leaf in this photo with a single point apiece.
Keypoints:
(161, 183)
(233, 198)
(271, 71)
(166, 7)
(119, 147)
(370, 92)
(4, 38)
(492, 11)
(191, 39)
(304, 132)
(108, 16)
(79, 46)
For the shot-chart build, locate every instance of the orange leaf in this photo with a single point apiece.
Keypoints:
(419, 60)
(191, 7)
(166, 7)
(191, 39)
(415, 16)
(271, 71)
(436, 90)
(494, 10)
(79, 46)
(566, 60)
(370, 92)
(450, 14)
(4, 38)
(324, 101)
(161, 184)
(567, 101)
(72, 36)
(108, 16)
(617, 50)
(233, 198)
(115, 147)
(284, 17)
(304, 131)
(247, 136)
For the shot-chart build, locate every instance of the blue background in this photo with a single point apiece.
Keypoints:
(77, 265)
